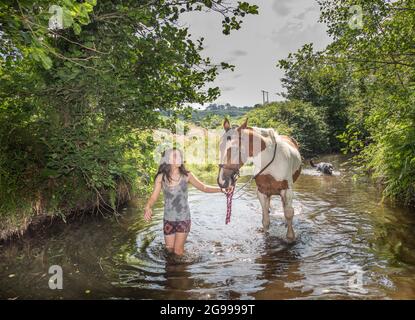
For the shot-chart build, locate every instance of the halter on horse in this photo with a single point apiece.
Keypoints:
(283, 166)
(236, 174)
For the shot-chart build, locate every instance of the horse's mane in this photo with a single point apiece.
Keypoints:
(265, 132)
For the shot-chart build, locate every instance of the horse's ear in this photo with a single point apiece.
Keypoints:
(244, 125)
(226, 124)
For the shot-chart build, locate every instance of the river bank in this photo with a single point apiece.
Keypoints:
(37, 216)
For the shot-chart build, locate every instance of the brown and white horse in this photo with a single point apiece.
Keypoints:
(277, 165)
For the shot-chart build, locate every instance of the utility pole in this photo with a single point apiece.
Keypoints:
(265, 94)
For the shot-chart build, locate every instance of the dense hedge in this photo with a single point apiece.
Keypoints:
(295, 118)
(364, 84)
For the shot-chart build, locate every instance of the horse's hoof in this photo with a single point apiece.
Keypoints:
(290, 237)
(290, 240)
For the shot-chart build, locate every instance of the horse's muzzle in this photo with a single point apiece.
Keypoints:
(228, 180)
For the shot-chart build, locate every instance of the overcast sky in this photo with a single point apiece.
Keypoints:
(282, 26)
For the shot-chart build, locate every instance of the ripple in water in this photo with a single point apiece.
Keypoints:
(347, 246)
(330, 258)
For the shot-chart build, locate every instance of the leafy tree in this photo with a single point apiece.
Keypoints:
(295, 118)
(77, 101)
(310, 76)
(365, 79)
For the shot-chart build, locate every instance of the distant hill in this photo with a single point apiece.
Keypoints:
(220, 110)
(212, 117)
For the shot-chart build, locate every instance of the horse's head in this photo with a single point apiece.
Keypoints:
(233, 154)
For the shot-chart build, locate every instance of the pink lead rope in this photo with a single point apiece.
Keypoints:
(229, 206)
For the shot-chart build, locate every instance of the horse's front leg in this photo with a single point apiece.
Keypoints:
(265, 204)
(287, 202)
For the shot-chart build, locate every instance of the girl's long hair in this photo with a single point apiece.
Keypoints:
(165, 167)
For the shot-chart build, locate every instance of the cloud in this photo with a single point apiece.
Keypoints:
(311, 13)
(283, 26)
(239, 53)
(280, 7)
(227, 89)
(302, 15)
(300, 29)
(296, 33)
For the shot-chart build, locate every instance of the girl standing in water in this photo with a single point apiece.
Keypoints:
(172, 178)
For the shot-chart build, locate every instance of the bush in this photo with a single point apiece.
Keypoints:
(298, 119)
(384, 141)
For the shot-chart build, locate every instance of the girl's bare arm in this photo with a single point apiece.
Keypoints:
(153, 198)
(201, 186)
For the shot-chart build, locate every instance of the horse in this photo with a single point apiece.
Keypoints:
(277, 163)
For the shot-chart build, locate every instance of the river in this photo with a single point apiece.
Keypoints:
(349, 246)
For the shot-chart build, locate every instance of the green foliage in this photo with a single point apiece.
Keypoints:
(380, 55)
(211, 121)
(364, 81)
(295, 118)
(77, 103)
(214, 114)
(311, 77)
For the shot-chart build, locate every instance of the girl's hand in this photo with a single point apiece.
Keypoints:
(148, 214)
(229, 189)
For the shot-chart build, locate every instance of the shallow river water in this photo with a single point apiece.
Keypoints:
(349, 245)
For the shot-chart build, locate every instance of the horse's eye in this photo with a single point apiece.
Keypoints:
(228, 138)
